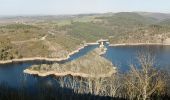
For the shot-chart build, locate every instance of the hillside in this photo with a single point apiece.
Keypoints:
(165, 22)
(57, 36)
(158, 16)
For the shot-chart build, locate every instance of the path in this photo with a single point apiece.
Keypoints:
(44, 37)
(30, 40)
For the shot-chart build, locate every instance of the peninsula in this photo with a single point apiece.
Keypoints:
(90, 65)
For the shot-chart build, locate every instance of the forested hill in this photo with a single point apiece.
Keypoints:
(57, 36)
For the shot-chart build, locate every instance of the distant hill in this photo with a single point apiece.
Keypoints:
(165, 22)
(129, 19)
(159, 16)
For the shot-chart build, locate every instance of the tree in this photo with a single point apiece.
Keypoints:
(143, 82)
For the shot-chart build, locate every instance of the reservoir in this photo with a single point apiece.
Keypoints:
(121, 56)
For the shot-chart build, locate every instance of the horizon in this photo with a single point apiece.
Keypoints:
(64, 7)
(43, 15)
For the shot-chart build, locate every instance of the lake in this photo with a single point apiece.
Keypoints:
(121, 56)
(12, 73)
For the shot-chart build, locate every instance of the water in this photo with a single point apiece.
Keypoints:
(121, 56)
(82, 52)
(12, 74)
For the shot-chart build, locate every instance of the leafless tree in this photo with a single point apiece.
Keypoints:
(143, 81)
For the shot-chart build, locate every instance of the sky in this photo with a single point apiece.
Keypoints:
(58, 7)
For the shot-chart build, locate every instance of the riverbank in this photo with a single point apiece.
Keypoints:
(47, 59)
(136, 44)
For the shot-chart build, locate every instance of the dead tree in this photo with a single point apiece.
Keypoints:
(141, 82)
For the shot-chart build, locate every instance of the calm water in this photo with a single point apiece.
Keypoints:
(121, 56)
(12, 74)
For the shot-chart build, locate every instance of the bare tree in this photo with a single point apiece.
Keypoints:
(145, 80)
(115, 85)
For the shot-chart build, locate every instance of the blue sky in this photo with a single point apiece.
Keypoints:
(56, 7)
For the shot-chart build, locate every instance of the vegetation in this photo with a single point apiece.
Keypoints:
(57, 36)
(142, 82)
(90, 65)
(53, 36)
(47, 93)
(7, 51)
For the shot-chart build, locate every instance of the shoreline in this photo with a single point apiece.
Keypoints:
(80, 72)
(76, 51)
(138, 44)
(44, 74)
(47, 59)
